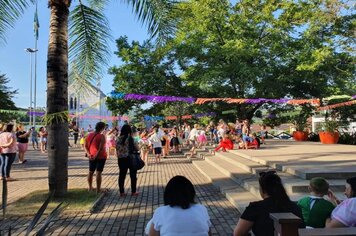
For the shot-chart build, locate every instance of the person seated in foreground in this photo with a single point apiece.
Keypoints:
(275, 200)
(180, 215)
(344, 215)
(315, 208)
(225, 144)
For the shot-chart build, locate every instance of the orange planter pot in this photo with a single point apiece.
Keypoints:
(329, 137)
(300, 136)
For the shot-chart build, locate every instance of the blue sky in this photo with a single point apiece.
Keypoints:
(15, 62)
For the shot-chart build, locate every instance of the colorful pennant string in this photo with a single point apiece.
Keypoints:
(342, 104)
(162, 99)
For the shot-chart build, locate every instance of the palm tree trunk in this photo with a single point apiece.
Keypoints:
(57, 96)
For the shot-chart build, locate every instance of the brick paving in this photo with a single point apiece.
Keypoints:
(117, 216)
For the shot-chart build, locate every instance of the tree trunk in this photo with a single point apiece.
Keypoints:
(57, 96)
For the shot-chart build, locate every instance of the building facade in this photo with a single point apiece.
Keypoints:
(87, 106)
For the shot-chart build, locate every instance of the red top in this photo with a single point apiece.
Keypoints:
(93, 149)
(227, 144)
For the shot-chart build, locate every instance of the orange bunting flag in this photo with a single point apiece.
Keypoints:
(237, 100)
(186, 117)
(315, 102)
(205, 100)
(349, 103)
(171, 117)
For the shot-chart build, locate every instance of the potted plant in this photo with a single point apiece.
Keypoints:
(300, 121)
(330, 134)
(300, 134)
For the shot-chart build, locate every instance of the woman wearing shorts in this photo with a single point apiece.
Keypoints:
(157, 145)
(43, 139)
(95, 148)
(22, 142)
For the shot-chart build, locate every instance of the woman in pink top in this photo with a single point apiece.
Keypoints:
(8, 151)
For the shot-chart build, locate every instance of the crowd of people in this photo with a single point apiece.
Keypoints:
(180, 208)
(181, 215)
(14, 139)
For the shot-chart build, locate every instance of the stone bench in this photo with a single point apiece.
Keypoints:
(286, 224)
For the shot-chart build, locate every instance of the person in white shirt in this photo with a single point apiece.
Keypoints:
(180, 215)
(193, 135)
(344, 215)
(155, 139)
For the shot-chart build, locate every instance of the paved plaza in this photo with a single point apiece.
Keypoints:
(117, 216)
(295, 162)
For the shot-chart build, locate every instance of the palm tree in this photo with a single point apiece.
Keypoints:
(88, 35)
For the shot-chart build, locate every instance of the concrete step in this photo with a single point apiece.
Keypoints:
(236, 194)
(327, 173)
(244, 172)
(305, 170)
(243, 163)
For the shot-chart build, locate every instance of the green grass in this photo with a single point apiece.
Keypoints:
(76, 200)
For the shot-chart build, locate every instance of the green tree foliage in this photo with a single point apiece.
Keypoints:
(6, 96)
(267, 49)
(145, 71)
(247, 49)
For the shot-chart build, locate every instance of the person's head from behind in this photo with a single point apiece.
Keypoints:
(319, 186)
(125, 130)
(143, 134)
(271, 187)
(19, 127)
(9, 127)
(350, 188)
(100, 126)
(134, 130)
(179, 192)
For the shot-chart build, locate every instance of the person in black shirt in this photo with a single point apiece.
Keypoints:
(22, 142)
(275, 200)
(75, 135)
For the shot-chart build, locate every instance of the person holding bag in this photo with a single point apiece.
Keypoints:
(125, 146)
(95, 151)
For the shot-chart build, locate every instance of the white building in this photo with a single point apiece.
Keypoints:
(88, 106)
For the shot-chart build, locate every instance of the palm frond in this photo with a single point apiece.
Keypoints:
(79, 84)
(10, 11)
(39, 214)
(89, 41)
(98, 4)
(157, 15)
(54, 214)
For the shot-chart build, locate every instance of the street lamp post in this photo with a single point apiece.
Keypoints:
(30, 51)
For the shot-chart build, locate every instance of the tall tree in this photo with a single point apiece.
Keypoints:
(146, 70)
(6, 96)
(268, 49)
(88, 33)
(249, 49)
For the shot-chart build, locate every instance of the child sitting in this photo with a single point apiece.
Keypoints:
(315, 208)
(225, 144)
(251, 142)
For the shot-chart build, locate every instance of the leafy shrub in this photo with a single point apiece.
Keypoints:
(348, 138)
